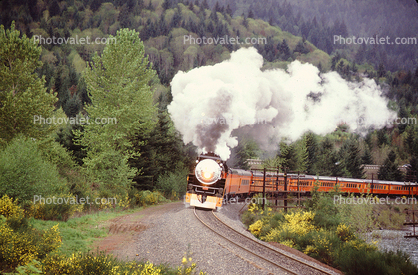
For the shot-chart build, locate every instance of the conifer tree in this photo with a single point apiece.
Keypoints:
(351, 159)
(389, 170)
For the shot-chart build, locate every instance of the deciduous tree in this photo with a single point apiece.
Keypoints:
(119, 84)
(23, 96)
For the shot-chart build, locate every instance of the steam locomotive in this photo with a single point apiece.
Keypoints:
(212, 182)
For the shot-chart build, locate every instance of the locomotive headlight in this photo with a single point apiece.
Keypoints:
(208, 171)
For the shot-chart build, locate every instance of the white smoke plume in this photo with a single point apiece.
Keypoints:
(211, 101)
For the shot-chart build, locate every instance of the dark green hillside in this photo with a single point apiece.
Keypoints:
(165, 25)
(319, 20)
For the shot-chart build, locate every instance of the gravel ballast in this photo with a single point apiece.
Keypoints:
(171, 230)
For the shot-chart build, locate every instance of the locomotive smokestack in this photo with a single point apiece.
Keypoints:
(210, 102)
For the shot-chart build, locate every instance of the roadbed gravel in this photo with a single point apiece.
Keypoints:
(165, 233)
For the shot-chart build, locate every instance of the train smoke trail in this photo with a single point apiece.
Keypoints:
(210, 102)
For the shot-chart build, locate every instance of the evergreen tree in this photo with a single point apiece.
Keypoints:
(284, 50)
(288, 156)
(54, 9)
(311, 149)
(229, 11)
(328, 163)
(205, 5)
(367, 156)
(300, 48)
(351, 159)
(389, 170)
(246, 149)
(124, 17)
(161, 152)
(251, 14)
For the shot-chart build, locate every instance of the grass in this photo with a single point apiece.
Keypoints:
(78, 234)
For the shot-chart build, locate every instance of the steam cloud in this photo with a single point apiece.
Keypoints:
(212, 101)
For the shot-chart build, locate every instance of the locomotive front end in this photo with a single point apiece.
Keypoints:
(205, 187)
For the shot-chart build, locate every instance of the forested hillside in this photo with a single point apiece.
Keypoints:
(319, 20)
(163, 25)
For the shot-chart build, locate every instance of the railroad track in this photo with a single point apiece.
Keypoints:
(274, 257)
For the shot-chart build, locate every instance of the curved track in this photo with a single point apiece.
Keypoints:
(274, 258)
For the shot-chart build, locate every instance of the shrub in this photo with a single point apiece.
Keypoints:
(324, 247)
(359, 260)
(111, 171)
(344, 233)
(359, 216)
(9, 207)
(173, 184)
(21, 247)
(389, 219)
(327, 214)
(144, 198)
(56, 211)
(20, 243)
(100, 263)
(248, 218)
(25, 173)
(255, 228)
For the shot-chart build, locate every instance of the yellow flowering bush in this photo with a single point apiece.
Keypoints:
(288, 243)
(299, 223)
(19, 243)
(144, 198)
(123, 201)
(361, 245)
(255, 228)
(187, 266)
(344, 233)
(20, 248)
(9, 207)
(323, 247)
(100, 263)
(252, 207)
(16, 249)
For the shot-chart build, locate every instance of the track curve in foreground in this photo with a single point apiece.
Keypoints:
(273, 257)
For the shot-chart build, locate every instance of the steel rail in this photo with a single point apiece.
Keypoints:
(272, 249)
(259, 244)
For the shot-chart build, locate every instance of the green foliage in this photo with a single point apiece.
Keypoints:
(20, 243)
(389, 170)
(144, 198)
(55, 211)
(391, 219)
(351, 159)
(327, 214)
(161, 153)
(173, 184)
(118, 82)
(24, 172)
(357, 260)
(22, 93)
(288, 156)
(328, 240)
(246, 149)
(102, 263)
